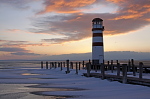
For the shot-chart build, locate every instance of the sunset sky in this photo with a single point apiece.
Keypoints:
(36, 29)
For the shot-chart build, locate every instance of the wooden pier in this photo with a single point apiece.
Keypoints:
(131, 80)
(125, 73)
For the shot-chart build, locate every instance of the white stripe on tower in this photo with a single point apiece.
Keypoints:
(97, 41)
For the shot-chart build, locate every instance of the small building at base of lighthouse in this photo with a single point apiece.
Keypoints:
(97, 41)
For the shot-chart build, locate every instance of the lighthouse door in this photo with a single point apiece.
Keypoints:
(101, 59)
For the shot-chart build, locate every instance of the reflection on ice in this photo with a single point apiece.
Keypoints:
(32, 91)
(29, 74)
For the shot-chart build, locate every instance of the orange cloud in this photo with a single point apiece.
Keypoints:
(148, 19)
(116, 1)
(64, 6)
(131, 16)
(132, 9)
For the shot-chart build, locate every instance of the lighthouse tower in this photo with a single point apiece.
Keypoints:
(97, 41)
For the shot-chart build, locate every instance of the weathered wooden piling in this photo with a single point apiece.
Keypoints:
(64, 64)
(41, 64)
(88, 67)
(129, 66)
(79, 65)
(140, 70)
(55, 64)
(89, 61)
(50, 65)
(76, 68)
(124, 73)
(108, 66)
(71, 65)
(46, 65)
(112, 67)
(133, 67)
(103, 71)
(117, 61)
(67, 62)
(95, 67)
(83, 64)
(118, 69)
(58, 64)
(61, 66)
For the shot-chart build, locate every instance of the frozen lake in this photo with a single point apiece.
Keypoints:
(25, 80)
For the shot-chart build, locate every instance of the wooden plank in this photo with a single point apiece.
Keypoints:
(119, 77)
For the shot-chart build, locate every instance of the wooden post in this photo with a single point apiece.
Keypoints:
(55, 64)
(108, 65)
(58, 64)
(133, 67)
(76, 68)
(118, 69)
(46, 65)
(112, 66)
(95, 67)
(67, 62)
(117, 61)
(102, 71)
(89, 61)
(124, 73)
(88, 67)
(64, 64)
(71, 65)
(83, 64)
(61, 66)
(129, 66)
(79, 65)
(140, 69)
(42, 64)
(50, 65)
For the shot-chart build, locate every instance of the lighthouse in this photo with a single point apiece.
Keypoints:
(97, 41)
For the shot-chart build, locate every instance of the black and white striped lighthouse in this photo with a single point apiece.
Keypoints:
(97, 41)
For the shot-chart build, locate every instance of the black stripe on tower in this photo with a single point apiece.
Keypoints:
(97, 44)
(97, 34)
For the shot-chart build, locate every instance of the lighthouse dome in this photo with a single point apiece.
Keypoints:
(97, 20)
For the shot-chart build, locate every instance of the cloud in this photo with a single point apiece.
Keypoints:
(133, 9)
(17, 51)
(77, 27)
(23, 53)
(8, 49)
(131, 16)
(65, 6)
(10, 43)
(20, 4)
